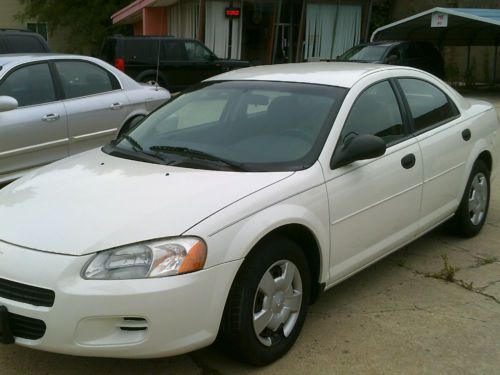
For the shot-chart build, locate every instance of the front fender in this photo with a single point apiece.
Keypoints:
(233, 232)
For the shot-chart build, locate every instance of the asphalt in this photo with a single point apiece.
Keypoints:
(432, 307)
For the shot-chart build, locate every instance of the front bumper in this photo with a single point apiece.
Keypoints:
(123, 318)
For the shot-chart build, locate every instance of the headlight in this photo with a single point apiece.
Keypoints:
(158, 258)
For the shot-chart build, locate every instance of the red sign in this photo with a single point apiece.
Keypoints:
(232, 12)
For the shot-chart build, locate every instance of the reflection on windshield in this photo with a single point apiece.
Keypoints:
(364, 53)
(239, 125)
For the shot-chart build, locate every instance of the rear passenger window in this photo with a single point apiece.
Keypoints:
(80, 78)
(24, 44)
(429, 106)
(29, 85)
(375, 112)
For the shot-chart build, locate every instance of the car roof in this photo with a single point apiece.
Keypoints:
(341, 74)
(19, 58)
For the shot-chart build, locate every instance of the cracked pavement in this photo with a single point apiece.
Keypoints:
(398, 316)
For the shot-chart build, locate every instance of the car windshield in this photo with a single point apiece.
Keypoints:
(364, 53)
(237, 125)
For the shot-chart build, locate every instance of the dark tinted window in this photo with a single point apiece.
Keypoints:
(197, 51)
(30, 85)
(24, 43)
(429, 106)
(80, 78)
(364, 53)
(142, 50)
(376, 112)
(173, 50)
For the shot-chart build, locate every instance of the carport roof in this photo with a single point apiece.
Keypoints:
(462, 27)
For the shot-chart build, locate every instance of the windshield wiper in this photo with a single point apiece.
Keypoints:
(200, 155)
(136, 151)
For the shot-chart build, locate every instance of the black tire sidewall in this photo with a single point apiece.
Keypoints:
(242, 339)
(461, 221)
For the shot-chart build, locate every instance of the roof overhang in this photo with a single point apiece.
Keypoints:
(459, 27)
(133, 12)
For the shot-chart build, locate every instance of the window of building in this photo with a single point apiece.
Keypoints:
(40, 28)
(429, 106)
(376, 112)
(29, 85)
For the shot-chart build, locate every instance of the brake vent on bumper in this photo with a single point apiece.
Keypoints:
(134, 324)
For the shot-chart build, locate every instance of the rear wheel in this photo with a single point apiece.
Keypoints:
(471, 214)
(267, 303)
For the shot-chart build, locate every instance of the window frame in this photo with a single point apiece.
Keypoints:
(204, 47)
(115, 82)
(14, 69)
(411, 121)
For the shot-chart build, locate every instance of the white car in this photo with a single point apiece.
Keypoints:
(56, 105)
(229, 209)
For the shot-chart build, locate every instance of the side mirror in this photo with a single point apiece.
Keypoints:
(392, 59)
(361, 147)
(8, 103)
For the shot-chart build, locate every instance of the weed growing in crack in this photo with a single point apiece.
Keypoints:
(447, 273)
(484, 261)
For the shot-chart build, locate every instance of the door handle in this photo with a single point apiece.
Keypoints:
(51, 117)
(115, 106)
(466, 134)
(408, 161)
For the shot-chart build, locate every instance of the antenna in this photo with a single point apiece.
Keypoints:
(157, 65)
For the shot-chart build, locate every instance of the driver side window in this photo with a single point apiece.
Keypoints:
(375, 112)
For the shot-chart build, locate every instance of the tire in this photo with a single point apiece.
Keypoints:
(473, 209)
(273, 284)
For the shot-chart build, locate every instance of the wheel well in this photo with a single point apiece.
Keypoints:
(128, 123)
(308, 243)
(485, 156)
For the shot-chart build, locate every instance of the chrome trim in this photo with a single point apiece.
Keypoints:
(93, 135)
(39, 146)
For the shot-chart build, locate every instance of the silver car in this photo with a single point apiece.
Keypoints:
(53, 106)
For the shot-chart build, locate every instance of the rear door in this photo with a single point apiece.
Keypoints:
(94, 102)
(444, 140)
(35, 133)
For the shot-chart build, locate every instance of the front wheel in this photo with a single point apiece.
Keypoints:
(267, 303)
(471, 214)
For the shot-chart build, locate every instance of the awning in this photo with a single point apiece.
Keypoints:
(446, 27)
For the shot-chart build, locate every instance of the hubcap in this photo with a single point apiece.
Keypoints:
(478, 198)
(277, 302)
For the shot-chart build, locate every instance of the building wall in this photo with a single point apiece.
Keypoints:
(8, 11)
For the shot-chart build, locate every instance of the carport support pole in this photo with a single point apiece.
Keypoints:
(468, 63)
(495, 65)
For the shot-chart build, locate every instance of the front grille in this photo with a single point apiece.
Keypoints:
(26, 328)
(26, 293)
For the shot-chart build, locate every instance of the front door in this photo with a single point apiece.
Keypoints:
(374, 204)
(35, 133)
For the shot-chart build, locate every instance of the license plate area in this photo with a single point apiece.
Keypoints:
(6, 336)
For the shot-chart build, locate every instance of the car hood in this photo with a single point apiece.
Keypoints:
(94, 201)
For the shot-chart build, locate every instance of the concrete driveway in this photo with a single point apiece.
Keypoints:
(433, 307)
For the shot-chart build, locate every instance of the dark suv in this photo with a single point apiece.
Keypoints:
(421, 55)
(21, 41)
(182, 62)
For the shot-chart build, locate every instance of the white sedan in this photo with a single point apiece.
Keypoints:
(56, 105)
(227, 211)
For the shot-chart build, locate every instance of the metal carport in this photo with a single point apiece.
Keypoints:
(448, 27)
